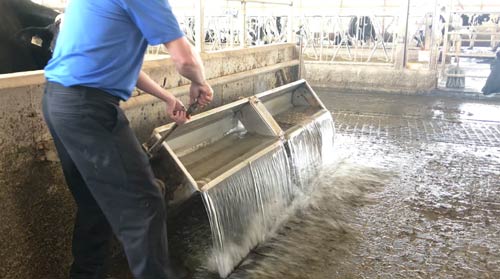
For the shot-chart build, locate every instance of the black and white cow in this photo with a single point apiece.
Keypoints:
(362, 29)
(480, 23)
(263, 31)
(28, 33)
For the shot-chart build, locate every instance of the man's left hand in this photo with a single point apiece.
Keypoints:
(176, 111)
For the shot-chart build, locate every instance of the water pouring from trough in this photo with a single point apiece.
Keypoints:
(249, 160)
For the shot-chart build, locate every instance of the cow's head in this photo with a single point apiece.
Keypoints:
(44, 37)
(40, 40)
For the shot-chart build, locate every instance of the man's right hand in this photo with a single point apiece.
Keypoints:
(201, 93)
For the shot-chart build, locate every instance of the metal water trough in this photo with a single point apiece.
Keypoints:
(212, 146)
(292, 106)
(216, 144)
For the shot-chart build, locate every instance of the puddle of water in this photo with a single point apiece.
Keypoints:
(482, 112)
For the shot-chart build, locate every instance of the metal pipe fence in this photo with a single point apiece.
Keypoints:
(223, 32)
(353, 38)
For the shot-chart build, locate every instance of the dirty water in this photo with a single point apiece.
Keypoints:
(376, 214)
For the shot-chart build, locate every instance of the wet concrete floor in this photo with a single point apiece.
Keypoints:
(414, 193)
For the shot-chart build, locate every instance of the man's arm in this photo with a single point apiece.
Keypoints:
(186, 59)
(145, 83)
(188, 63)
(175, 109)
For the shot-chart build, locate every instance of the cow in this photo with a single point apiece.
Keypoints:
(480, 19)
(480, 23)
(28, 33)
(265, 31)
(256, 32)
(362, 30)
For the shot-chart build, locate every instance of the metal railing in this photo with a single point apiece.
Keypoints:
(352, 38)
(235, 26)
(221, 32)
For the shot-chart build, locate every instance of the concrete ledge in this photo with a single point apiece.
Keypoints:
(369, 78)
(21, 79)
(222, 63)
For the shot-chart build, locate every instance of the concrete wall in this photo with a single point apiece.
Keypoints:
(369, 78)
(36, 209)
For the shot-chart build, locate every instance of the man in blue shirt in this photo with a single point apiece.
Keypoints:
(96, 63)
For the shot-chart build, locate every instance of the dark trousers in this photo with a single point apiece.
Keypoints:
(111, 181)
(492, 84)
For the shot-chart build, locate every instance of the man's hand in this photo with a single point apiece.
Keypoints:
(201, 93)
(176, 111)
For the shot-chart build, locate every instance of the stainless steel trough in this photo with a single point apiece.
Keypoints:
(216, 144)
(212, 146)
(292, 106)
(307, 127)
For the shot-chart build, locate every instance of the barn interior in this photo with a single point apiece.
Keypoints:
(348, 139)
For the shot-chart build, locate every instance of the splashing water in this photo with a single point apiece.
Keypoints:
(249, 206)
(244, 208)
(317, 235)
(311, 149)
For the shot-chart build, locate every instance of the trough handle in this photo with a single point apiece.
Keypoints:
(156, 146)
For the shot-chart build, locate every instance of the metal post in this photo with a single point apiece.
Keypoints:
(444, 54)
(321, 35)
(243, 24)
(405, 50)
(434, 48)
(200, 25)
(291, 14)
(301, 55)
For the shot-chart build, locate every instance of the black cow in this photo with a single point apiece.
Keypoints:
(362, 29)
(28, 31)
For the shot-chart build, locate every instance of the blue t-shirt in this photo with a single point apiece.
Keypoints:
(102, 43)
